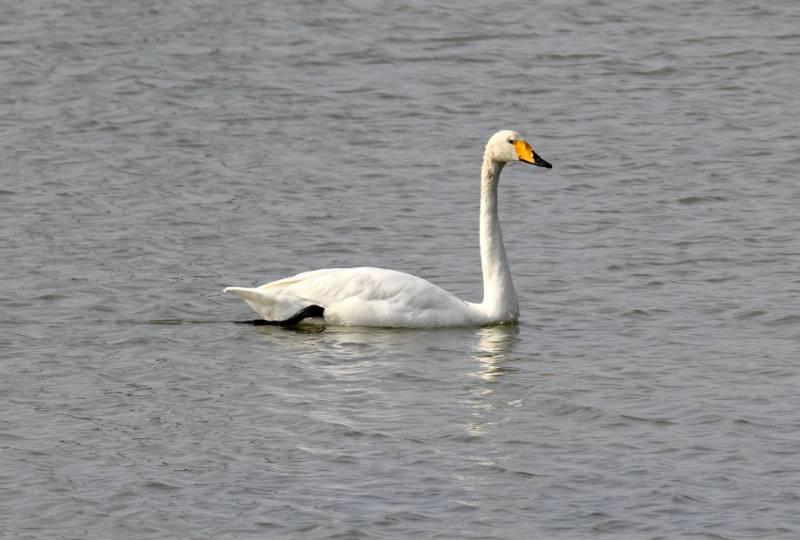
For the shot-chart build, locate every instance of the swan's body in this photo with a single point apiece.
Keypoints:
(378, 297)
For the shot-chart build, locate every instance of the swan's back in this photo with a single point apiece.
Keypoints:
(362, 296)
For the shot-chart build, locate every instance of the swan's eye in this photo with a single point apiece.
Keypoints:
(510, 141)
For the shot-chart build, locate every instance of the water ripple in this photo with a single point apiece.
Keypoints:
(156, 153)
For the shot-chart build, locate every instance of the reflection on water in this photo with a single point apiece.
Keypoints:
(491, 350)
(493, 346)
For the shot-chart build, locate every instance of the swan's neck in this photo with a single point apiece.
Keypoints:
(499, 298)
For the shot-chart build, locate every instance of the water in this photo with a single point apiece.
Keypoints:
(156, 152)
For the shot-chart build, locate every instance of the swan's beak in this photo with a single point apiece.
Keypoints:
(525, 153)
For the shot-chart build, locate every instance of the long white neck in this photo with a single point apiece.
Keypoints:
(499, 298)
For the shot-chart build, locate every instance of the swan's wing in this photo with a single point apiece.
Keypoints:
(278, 300)
(332, 285)
(271, 306)
(359, 296)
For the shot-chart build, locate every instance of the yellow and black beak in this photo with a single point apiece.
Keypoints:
(525, 153)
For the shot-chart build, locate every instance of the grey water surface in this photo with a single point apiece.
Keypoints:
(152, 153)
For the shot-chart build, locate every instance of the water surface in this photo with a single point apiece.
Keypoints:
(154, 153)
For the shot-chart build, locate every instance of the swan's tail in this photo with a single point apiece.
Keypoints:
(271, 306)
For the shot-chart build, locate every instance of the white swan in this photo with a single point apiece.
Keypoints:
(378, 297)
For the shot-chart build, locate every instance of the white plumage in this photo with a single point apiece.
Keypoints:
(368, 296)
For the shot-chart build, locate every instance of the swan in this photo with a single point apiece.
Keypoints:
(368, 296)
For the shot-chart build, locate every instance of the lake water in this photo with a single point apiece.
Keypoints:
(155, 152)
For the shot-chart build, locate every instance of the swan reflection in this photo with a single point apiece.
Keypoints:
(493, 347)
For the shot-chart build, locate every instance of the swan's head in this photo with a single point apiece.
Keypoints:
(508, 146)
